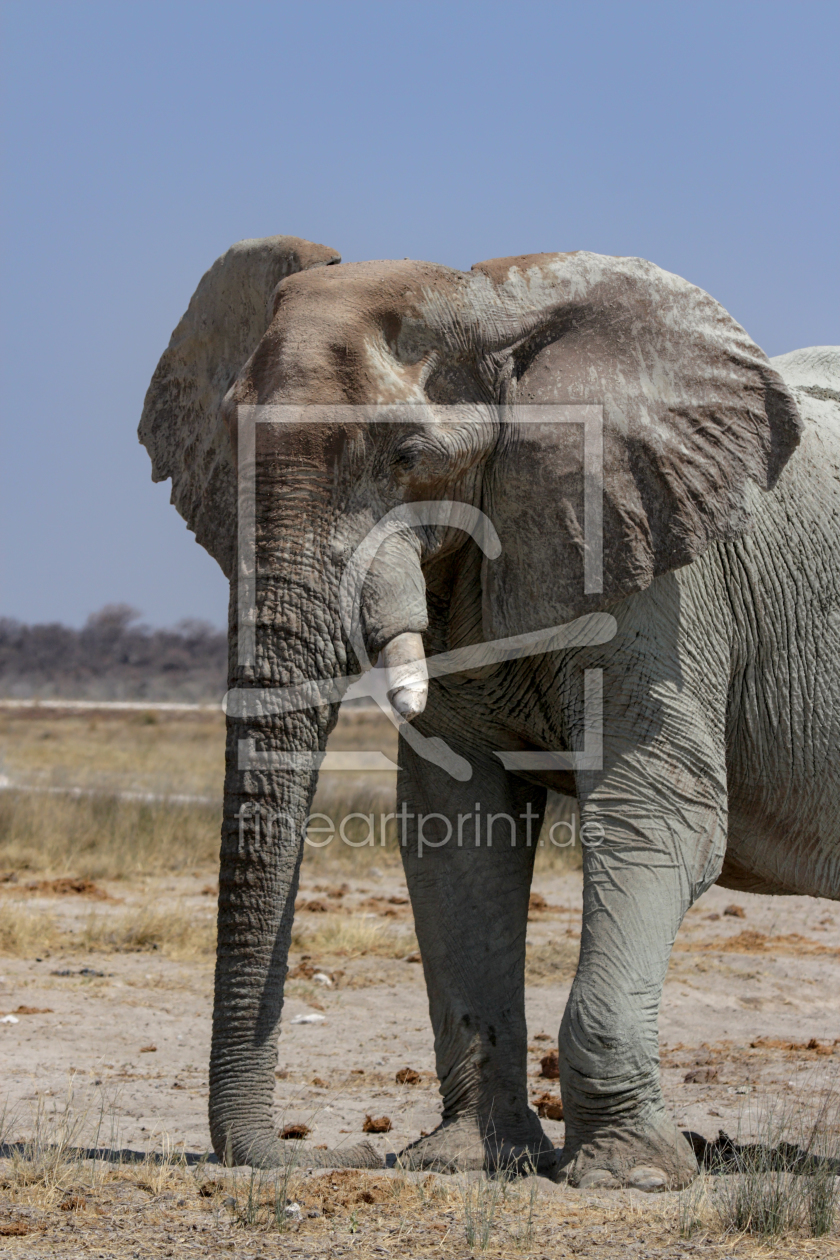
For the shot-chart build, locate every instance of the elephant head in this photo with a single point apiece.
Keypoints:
(689, 411)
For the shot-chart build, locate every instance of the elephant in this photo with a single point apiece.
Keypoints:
(658, 637)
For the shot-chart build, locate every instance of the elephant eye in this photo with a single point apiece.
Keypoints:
(405, 461)
(408, 456)
(420, 456)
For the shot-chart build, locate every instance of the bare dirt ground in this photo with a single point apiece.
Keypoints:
(106, 974)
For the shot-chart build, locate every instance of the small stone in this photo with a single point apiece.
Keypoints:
(736, 912)
(407, 1076)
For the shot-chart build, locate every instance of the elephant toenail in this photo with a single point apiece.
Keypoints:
(597, 1179)
(647, 1179)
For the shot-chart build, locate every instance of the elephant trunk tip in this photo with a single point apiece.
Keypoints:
(406, 676)
(260, 1148)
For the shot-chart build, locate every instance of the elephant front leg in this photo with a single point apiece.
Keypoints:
(656, 829)
(468, 854)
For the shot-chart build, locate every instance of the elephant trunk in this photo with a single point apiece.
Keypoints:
(271, 774)
(270, 780)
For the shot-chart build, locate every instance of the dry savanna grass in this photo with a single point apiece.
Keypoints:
(69, 1182)
(177, 932)
(351, 936)
(55, 1200)
(181, 932)
(782, 1181)
(102, 835)
(155, 751)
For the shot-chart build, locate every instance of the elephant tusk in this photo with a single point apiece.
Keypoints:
(406, 676)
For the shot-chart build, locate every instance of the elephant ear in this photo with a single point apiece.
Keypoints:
(690, 411)
(181, 426)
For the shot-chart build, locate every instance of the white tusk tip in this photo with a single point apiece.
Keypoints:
(409, 702)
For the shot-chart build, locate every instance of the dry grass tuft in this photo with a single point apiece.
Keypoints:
(352, 936)
(106, 837)
(103, 837)
(23, 931)
(179, 933)
(552, 961)
(783, 1182)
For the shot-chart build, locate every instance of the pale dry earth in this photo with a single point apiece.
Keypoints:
(750, 1007)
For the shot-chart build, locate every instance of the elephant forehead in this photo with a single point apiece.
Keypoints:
(358, 335)
(354, 297)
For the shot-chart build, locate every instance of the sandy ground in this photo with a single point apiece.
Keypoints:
(750, 1018)
(734, 984)
(750, 1001)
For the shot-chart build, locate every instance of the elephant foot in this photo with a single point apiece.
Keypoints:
(463, 1144)
(650, 1159)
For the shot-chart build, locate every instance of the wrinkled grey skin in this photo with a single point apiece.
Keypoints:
(721, 685)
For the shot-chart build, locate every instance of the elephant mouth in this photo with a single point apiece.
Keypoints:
(406, 675)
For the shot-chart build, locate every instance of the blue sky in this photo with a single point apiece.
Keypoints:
(140, 141)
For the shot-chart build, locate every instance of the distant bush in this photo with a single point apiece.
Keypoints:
(112, 658)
